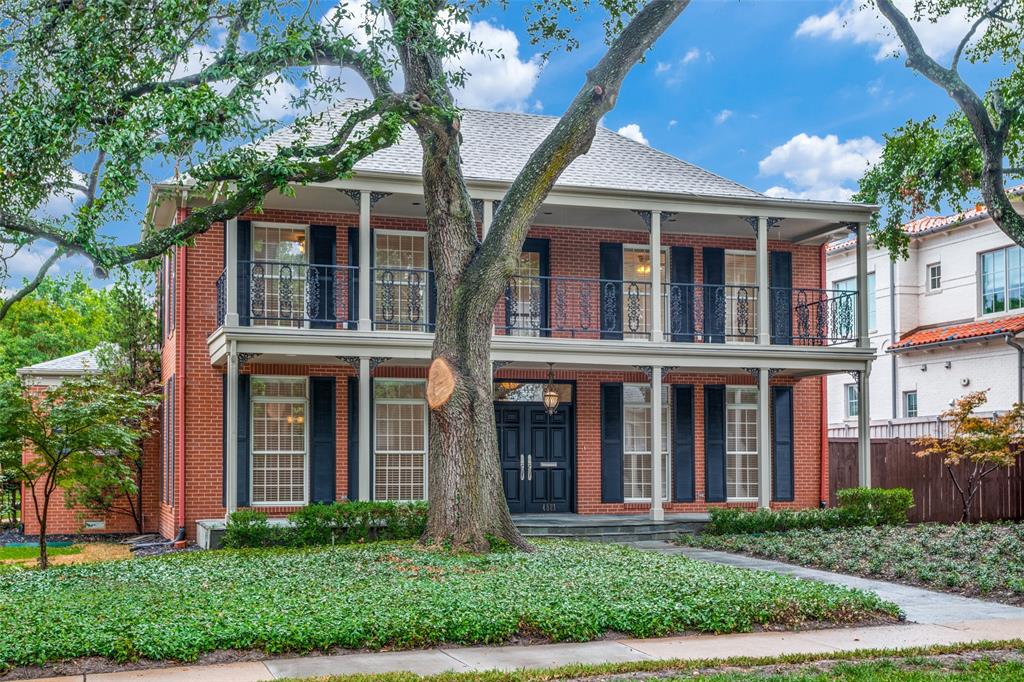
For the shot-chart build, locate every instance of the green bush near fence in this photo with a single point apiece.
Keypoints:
(857, 507)
(328, 524)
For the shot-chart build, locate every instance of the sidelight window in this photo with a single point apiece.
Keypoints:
(636, 456)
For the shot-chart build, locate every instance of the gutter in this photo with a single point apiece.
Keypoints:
(892, 333)
(1011, 341)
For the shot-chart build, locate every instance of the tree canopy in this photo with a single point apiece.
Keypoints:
(936, 162)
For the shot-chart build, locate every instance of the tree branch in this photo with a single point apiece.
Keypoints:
(34, 284)
(985, 16)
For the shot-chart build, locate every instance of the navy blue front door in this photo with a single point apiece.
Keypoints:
(536, 457)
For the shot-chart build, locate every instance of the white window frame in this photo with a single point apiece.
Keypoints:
(415, 326)
(930, 277)
(906, 410)
(300, 322)
(666, 276)
(1007, 310)
(847, 388)
(731, 333)
(426, 432)
(252, 438)
(666, 474)
(749, 407)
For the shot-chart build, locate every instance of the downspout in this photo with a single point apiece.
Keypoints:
(1010, 341)
(180, 381)
(892, 334)
(823, 463)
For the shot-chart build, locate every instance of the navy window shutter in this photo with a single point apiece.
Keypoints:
(714, 295)
(782, 443)
(681, 293)
(353, 277)
(780, 278)
(714, 443)
(683, 488)
(243, 440)
(323, 242)
(611, 443)
(610, 295)
(244, 249)
(322, 469)
(352, 455)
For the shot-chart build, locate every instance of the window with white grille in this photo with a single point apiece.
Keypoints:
(636, 276)
(279, 440)
(636, 455)
(740, 295)
(278, 271)
(741, 443)
(400, 281)
(400, 439)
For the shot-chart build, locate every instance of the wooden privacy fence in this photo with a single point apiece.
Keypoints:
(894, 465)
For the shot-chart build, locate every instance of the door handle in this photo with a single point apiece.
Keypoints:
(529, 467)
(522, 471)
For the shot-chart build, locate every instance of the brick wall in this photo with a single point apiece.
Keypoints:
(574, 252)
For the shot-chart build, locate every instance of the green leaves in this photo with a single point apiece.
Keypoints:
(391, 595)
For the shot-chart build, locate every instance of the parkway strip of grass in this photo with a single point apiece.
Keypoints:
(394, 595)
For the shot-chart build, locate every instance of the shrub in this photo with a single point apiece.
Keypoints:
(328, 524)
(877, 506)
(857, 507)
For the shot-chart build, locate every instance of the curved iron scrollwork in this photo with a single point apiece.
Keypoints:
(561, 306)
(313, 293)
(257, 290)
(742, 312)
(387, 296)
(610, 306)
(633, 307)
(414, 308)
(586, 313)
(221, 299)
(285, 304)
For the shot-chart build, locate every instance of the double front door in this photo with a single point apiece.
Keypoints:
(536, 457)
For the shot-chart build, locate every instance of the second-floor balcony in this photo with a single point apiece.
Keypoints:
(300, 295)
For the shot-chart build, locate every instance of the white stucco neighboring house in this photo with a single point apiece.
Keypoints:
(946, 321)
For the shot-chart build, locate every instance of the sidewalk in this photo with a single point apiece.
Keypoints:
(936, 619)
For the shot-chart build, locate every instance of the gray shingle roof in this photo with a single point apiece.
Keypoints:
(79, 363)
(496, 145)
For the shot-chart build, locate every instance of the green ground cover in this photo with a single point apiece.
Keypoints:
(984, 559)
(393, 595)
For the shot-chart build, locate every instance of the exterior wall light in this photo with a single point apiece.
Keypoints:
(550, 394)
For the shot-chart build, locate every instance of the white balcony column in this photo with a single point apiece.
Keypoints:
(488, 218)
(864, 426)
(365, 449)
(231, 444)
(365, 266)
(656, 298)
(657, 513)
(764, 440)
(764, 327)
(231, 273)
(862, 286)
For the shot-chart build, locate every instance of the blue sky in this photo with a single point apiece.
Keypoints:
(790, 97)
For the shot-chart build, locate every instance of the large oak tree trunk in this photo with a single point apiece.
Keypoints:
(467, 502)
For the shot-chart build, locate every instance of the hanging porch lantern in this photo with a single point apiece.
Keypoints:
(550, 397)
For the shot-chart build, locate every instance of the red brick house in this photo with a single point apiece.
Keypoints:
(296, 341)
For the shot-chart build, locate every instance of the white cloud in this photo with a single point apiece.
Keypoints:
(865, 25)
(673, 123)
(819, 167)
(723, 116)
(632, 131)
(692, 55)
(662, 67)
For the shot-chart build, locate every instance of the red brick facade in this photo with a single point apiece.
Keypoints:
(573, 252)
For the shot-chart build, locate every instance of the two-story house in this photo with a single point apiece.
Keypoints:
(947, 320)
(663, 346)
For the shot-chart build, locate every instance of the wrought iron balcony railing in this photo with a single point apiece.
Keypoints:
(283, 294)
(403, 299)
(221, 298)
(813, 317)
(574, 307)
(710, 313)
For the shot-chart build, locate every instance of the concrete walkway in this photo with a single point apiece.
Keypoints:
(937, 619)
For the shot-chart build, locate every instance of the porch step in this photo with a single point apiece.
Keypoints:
(619, 529)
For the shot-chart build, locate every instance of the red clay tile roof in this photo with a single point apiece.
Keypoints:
(931, 223)
(961, 331)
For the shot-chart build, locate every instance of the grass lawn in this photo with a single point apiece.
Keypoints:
(21, 553)
(393, 595)
(985, 559)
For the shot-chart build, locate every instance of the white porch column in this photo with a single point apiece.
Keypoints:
(365, 449)
(657, 303)
(231, 446)
(764, 441)
(488, 217)
(764, 328)
(657, 513)
(864, 426)
(862, 286)
(231, 273)
(365, 266)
